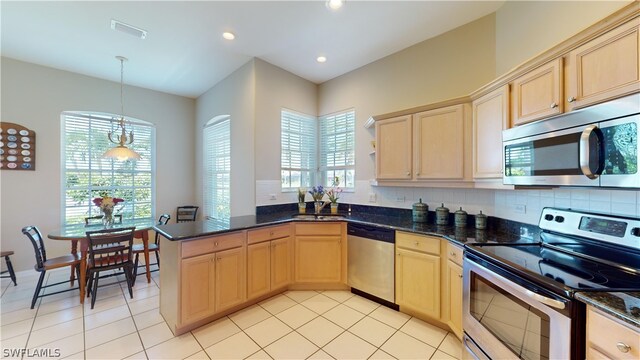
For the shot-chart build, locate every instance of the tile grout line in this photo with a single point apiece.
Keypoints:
(144, 349)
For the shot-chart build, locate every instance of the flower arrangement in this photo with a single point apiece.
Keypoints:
(106, 203)
(317, 192)
(334, 195)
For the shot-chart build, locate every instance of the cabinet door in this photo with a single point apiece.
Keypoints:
(197, 293)
(538, 93)
(454, 290)
(605, 68)
(258, 269)
(281, 262)
(393, 148)
(439, 143)
(230, 278)
(418, 282)
(490, 117)
(318, 259)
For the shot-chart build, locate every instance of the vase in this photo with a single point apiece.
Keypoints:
(107, 218)
(317, 206)
(302, 208)
(334, 208)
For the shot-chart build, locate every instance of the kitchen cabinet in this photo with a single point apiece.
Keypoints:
(490, 117)
(610, 338)
(230, 282)
(198, 287)
(268, 260)
(320, 253)
(452, 289)
(604, 68)
(393, 148)
(438, 143)
(418, 274)
(538, 93)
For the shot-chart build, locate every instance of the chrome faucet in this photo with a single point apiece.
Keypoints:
(319, 208)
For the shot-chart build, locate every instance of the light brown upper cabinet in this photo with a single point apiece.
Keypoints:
(538, 93)
(605, 68)
(393, 143)
(438, 138)
(490, 117)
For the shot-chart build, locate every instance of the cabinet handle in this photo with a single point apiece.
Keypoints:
(215, 244)
(218, 259)
(271, 233)
(408, 173)
(571, 99)
(460, 276)
(417, 243)
(418, 173)
(452, 254)
(623, 347)
(554, 105)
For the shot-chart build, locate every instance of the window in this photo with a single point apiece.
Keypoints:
(337, 149)
(86, 175)
(304, 163)
(217, 168)
(298, 150)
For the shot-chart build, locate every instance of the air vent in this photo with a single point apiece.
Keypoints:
(128, 29)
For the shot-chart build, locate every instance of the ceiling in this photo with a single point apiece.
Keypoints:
(184, 52)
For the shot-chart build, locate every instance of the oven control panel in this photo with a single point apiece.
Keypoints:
(615, 229)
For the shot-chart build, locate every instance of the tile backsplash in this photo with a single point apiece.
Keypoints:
(517, 205)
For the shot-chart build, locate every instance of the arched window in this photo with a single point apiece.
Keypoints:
(87, 175)
(217, 167)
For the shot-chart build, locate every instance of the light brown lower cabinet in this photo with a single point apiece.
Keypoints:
(198, 287)
(230, 279)
(320, 253)
(610, 338)
(268, 266)
(452, 290)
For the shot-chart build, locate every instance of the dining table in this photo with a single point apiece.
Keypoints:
(76, 234)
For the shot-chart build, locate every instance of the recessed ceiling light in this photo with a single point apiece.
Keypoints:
(228, 35)
(334, 4)
(321, 59)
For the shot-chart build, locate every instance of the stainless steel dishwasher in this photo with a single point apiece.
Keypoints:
(371, 262)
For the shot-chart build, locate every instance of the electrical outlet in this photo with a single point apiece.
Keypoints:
(372, 197)
(272, 196)
(400, 199)
(518, 208)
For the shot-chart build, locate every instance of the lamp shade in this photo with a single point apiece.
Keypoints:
(121, 153)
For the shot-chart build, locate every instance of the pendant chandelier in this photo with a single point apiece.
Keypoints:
(119, 136)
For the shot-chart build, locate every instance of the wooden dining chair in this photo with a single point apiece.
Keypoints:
(43, 264)
(155, 247)
(7, 259)
(109, 249)
(186, 213)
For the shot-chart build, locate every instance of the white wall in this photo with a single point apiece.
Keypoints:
(234, 96)
(34, 96)
(527, 28)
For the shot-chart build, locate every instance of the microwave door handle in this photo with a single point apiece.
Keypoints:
(584, 150)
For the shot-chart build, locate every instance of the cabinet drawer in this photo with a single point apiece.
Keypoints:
(454, 253)
(426, 244)
(319, 229)
(605, 334)
(268, 233)
(212, 244)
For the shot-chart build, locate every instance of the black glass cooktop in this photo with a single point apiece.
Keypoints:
(560, 270)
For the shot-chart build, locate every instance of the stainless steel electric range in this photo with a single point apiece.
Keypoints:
(519, 299)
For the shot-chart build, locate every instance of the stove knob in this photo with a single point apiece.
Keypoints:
(548, 217)
(559, 219)
(635, 232)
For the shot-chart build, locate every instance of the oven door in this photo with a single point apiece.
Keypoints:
(621, 152)
(564, 157)
(511, 318)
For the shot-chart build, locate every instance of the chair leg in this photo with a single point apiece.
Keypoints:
(95, 289)
(89, 285)
(12, 273)
(135, 270)
(158, 259)
(72, 277)
(128, 273)
(38, 288)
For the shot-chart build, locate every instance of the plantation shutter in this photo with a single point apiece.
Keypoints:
(217, 168)
(337, 149)
(298, 150)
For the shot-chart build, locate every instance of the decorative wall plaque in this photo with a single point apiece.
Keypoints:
(17, 147)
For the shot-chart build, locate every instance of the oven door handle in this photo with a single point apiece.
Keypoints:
(473, 349)
(545, 300)
(585, 153)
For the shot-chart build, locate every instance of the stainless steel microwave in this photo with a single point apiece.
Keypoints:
(595, 146)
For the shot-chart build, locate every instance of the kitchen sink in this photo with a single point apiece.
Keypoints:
(325, 217)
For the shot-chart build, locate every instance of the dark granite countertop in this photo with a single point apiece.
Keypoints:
(624, 306)
(496, 231)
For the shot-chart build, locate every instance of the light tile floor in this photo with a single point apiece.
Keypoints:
(293, 325)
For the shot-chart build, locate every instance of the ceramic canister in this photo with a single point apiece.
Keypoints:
(442, 215)
(460, 218)
(481, 221)
(420, 212)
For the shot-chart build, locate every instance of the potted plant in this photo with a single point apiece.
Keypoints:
(334, 194)
(317, 193)
(302, 206)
